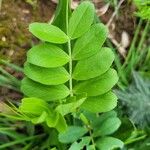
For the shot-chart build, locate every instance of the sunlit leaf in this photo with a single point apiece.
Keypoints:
(28, 103)
(94, 66)
(90, 43)
(81, 19)
(48, 33)
(40, 119)
(47, 76)
(47, 55)
(48, 93)
(99, 85)
(102, 103)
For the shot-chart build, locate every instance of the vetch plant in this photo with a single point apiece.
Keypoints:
(69, 74)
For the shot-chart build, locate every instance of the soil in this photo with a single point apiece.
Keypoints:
(15, 16)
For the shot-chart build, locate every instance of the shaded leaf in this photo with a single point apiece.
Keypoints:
(48, 33)
(109, 143)
(48, 93)
(102, 103)
(47, 76)
(47, 55)
(80, 145)
(94, 66)
(72, 134)
(107, 127)
(81, 20)
(99, 85)
(90, 43)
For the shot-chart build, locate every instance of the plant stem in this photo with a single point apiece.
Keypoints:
(135, 140)
(133, 43)
(69, 51)
(143, 36)
(70, 68)
(92, 139)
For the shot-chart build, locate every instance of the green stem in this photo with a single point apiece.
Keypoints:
(92, 139)
(133, 43)
(135, 140)
(88, 126)
(69, 52)
(9, 144)
(70, 68)
(143, 36)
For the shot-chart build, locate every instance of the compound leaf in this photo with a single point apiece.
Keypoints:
(47, 55)
(102, 103)
(90, 43)
(94, 66)
(99, 85)
(47, 76)
(48, 93)
(81, 20)
(48, 33)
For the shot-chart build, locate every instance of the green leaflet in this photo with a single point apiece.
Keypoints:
(107, 127)
(99, 85)
(48, 33)
(48, 93)
(102, 103)
(47, 55)
(90, 43)
(94, 66)
(80, 145)
(40, 119)
(108, 143)
(72, 134)
(47, 76)
(52, 119)
(69, 107)
(81, 19)
(61, 125)
(27, 106)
